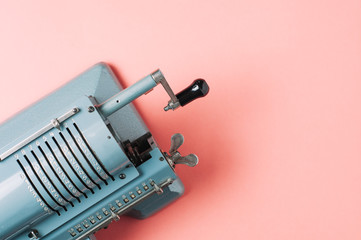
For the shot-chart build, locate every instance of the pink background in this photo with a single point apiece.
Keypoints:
(279, 135)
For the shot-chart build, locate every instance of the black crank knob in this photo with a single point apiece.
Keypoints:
(199, 88)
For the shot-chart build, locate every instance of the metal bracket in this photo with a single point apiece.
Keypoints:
(173, 102)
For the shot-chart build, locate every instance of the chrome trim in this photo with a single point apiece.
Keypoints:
(54, 123)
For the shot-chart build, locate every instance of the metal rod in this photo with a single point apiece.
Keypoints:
(126, 96)
(54, 123)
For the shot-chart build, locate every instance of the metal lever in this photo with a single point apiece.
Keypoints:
(175, 157)
(199, 88)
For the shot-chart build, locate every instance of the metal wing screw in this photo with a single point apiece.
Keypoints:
(190, 160)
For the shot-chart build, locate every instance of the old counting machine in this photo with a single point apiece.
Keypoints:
(78, 159)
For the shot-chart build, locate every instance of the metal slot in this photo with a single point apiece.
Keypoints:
(66, 174)
(49, 179)
(67, 160)
(76, 158)
(92, 152)
(85, 157)
(42, 184)
(36, 190)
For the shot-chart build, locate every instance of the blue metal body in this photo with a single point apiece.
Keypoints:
(76, 177)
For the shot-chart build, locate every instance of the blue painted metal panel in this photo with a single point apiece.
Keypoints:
(61, 182)
(68, 149)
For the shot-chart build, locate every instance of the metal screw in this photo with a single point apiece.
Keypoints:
(161, 158)
(109, 137)
(122, 176)
(75, 110)
(33, 234)
(91, 109)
